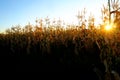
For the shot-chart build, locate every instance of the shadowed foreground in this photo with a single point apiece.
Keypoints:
(64, 59)
(82, 51)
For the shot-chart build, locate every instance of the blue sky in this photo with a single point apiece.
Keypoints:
(13, 12)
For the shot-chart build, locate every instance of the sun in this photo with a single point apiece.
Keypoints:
(108, 27)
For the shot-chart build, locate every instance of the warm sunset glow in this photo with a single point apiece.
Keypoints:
(108, 27)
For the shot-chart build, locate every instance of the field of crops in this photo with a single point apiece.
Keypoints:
(73, 49)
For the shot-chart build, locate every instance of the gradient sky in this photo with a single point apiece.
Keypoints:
(13, 12)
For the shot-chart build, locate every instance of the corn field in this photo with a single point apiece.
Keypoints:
(74, 47)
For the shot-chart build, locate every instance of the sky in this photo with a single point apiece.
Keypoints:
(14, 12)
